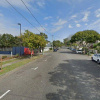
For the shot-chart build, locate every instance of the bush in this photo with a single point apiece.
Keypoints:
(3, 57)
(50, 48)
(17, 55)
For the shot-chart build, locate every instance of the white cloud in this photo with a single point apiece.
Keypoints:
(86, 24)
(90, 8)
(86, 14)
(49, 17)
(41, 4)
(56, 29)
(70, 26)
(71, 1)
(60, 22)
(97, 12)
(9, 30)
(78, 25)
(73, 16)
(76, 21)
(96, 25)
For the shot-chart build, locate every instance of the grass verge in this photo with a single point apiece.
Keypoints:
(9, 61)
(18, 64)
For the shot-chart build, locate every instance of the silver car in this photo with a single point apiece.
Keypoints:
(96, 57)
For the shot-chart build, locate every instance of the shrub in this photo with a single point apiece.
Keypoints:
(3, 57)
(50, 48)
(17, 55)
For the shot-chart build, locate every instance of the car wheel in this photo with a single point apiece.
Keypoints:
(98, 61)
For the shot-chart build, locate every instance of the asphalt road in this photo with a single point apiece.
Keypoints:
(60, 75)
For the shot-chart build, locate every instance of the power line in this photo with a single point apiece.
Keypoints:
(22, 15)
(33, 16)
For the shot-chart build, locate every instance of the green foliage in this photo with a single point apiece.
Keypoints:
(6, 40)
(33, 41)
(50, 48)
(57, 43)
(98, 44)
(95, 45)
(66, 42)
(3, 57)
(44, 35)
(85, 50)
(98, 49)
(90, 36)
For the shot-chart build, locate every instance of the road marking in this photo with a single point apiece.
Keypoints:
(4, 94)
(45, 60)
(35, 68)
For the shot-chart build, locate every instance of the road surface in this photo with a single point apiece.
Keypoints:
(60, 75)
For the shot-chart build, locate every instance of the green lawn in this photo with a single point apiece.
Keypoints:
(18, 64)
(9, 61)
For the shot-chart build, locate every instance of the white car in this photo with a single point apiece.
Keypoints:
(96, 57)
(79, 51)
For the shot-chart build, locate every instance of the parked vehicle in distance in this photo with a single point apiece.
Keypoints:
(74, 50)
(55, 50)
(68, 47)
(96, 57)
(79, 51)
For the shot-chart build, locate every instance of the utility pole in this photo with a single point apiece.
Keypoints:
(52, 42)
(20, 39)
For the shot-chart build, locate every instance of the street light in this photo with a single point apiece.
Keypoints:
(20, 35)
(52, 42)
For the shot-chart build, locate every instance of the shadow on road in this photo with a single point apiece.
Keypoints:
(79, 82)
(68, 52)
(63, 77)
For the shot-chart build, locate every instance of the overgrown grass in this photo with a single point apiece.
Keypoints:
(18, 64)
(9, 61)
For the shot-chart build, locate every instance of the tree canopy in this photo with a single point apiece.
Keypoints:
(44, 35)
(57, 43)
(8, 40)
(32, 40)
(27, 39)
(90, 36)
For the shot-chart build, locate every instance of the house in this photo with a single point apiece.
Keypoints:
(97, 41)
(48, 46)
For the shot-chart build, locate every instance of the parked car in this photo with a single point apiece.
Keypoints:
(79, 51)
(74, 50)
(96, 57)
(55, 50)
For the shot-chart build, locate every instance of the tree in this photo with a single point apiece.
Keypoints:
(17, 41)
(33, 41)
(44, 35)
(65, 41)
(6, 40)
(90, 36)
(57, 43)
(28, 39)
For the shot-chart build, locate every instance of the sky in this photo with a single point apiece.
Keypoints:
(60, 18)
